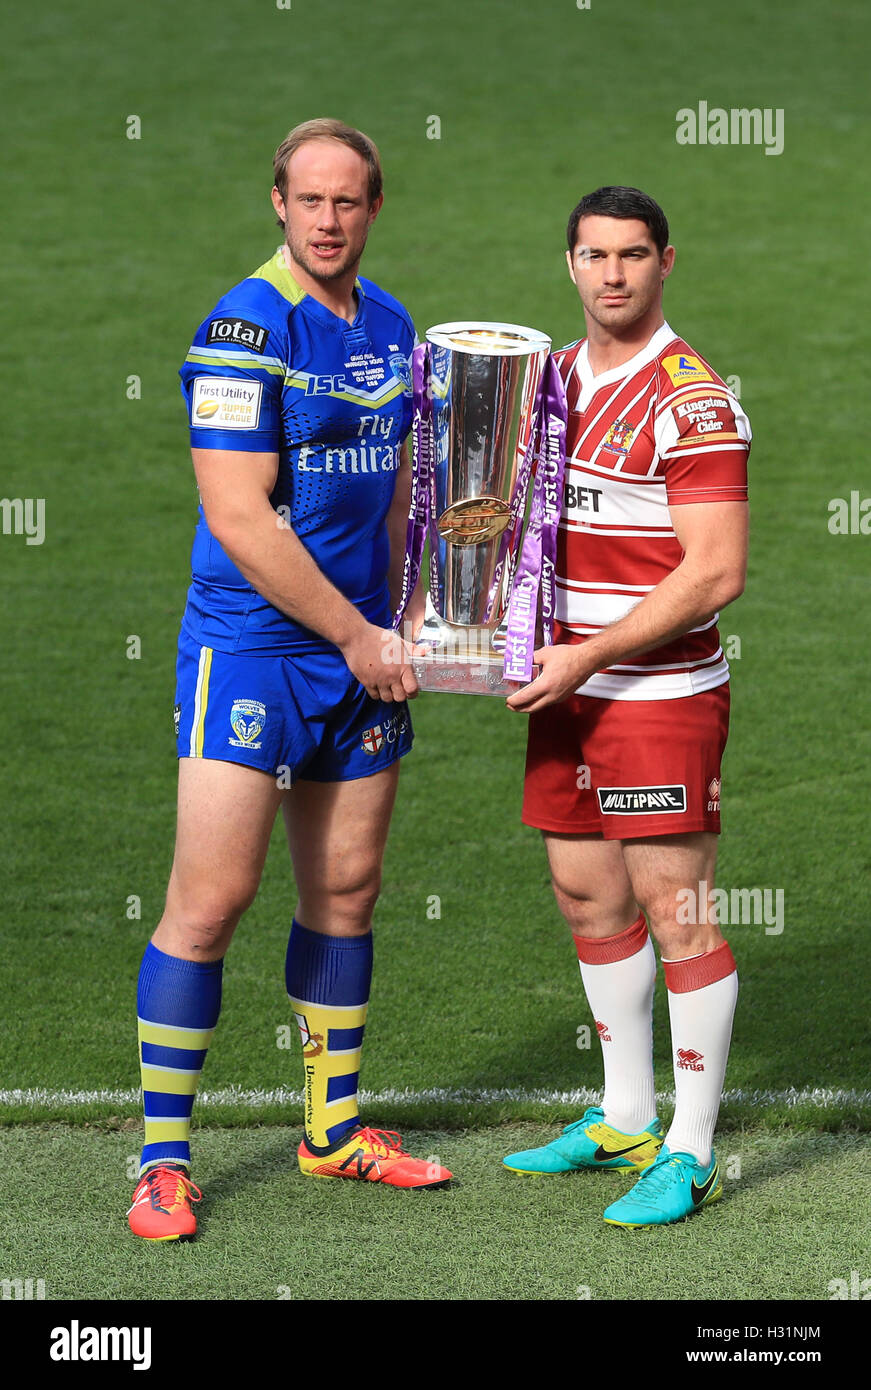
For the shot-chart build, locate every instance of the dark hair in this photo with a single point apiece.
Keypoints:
(621, 202)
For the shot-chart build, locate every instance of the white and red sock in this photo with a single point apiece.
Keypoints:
(618, 974)
(702, 992)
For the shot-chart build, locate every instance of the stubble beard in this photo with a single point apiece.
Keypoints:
(618, 318)
(316, 269)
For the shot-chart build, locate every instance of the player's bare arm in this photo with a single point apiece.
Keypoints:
(711, 575)
(235, 488)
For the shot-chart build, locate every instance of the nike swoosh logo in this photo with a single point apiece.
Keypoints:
(700, 1193)
(602, 1154)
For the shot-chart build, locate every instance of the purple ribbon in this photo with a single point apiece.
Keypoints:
(517, 511)
(536, 569)
(422, 475)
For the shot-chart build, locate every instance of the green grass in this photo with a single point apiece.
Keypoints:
(115, 250)
(784, 1228)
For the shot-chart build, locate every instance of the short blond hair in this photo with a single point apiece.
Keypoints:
(324, 128)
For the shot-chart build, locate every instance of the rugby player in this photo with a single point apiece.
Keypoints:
(299, 399)
(629, 717)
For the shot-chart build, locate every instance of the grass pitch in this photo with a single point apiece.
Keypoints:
(267, 1233)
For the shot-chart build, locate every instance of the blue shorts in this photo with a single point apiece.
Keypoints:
(302, 717)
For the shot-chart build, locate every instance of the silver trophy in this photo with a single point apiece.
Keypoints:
(483, 381)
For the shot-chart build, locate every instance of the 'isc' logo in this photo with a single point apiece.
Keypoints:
(324, 385)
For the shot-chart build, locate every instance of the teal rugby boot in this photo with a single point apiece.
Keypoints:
(590, 1143)
(672, 1188)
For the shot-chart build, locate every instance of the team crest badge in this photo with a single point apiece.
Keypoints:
(248, 720)
(619, 438)
(401, 368)
(373, 740)
(312, 1043)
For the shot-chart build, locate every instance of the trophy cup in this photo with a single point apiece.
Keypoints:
(489, 421)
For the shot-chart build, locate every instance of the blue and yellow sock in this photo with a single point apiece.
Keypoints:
(328, 980)
(178, 1003)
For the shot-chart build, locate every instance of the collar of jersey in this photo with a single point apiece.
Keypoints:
(277, 273)
(591, 384)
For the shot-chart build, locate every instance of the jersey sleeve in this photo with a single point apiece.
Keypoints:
(703, 439)
(232, 381)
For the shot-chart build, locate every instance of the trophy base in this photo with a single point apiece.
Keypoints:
(462, 660)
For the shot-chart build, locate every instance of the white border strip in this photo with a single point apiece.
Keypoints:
(235, 1095)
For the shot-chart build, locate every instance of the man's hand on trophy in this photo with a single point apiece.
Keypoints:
(563, 669)
(381, 661)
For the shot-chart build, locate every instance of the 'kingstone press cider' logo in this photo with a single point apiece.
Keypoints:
(248, 719)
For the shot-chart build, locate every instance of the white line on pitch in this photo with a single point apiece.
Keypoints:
(821, 1096)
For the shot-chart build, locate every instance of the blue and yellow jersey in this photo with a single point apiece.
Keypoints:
(271, 370)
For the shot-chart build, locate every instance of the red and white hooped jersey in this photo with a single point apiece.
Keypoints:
(661, 430)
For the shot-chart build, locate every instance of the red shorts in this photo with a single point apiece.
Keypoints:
(626, 769)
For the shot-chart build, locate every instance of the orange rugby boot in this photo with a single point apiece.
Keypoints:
(373, 1155)
(161, 1207)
